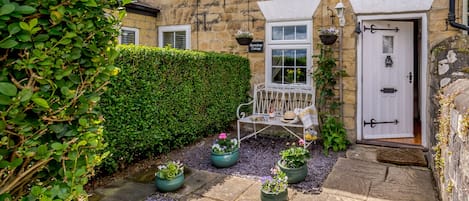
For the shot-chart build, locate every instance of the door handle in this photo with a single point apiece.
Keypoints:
(410, 77)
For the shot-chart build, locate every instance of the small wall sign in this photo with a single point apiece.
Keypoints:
(256, 46)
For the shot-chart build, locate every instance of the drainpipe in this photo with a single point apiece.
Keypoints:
(452, 17)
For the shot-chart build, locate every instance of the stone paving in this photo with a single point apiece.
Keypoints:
(359, 177)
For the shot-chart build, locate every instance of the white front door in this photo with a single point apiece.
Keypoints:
(387, 79)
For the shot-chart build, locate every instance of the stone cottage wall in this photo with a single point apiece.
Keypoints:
(449, 112)
(452, 149)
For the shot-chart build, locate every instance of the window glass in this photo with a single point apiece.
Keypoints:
(177, 36)
(301, 32)
(289, 32)
(277, 33)
(128, 37)
(289, 66)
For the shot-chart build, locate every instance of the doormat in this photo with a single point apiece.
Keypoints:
(402, 156)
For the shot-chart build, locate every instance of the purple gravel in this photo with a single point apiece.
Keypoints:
(257, 157)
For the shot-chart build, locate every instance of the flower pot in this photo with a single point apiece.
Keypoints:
(280, 196)
(244, 41)
(328, 39)
(164, 185)
(294, 175)
(225, 160)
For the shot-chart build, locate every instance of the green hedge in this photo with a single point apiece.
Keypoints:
(55, 59)
(167, 98)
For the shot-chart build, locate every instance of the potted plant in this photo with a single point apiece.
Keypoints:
(225, 151)
(274, 188)
(170, 176)
(293, 162)
(328, 36)
(243, 37)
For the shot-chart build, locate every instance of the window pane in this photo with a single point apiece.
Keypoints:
(277, 75)
(168, 39)
(127, 37)
(300, 32)
(289, 32)
(289, 75)
(388, 44)
(277, 57)
(277, 33)
(289, 57)
(180, 41)
(301, 75)
(301, 57)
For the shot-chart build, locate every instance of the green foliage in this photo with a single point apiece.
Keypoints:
(326, 78)
(55, 57)
(334, 135)
(277, 183)
(167, 98)
(170, 170)
(224, 145)
(294, 157)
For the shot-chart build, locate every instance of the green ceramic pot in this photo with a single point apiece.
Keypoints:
(164, 185)
(225, 160)
(294, 175)
(281, 196)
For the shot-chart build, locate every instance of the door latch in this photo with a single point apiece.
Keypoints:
(410, 77)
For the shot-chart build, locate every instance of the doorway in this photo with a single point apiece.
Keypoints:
(389, 97)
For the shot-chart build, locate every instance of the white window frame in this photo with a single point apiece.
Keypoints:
(137, 35)
(173, 28)
(288, 44)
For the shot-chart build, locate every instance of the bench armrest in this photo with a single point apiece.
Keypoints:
(242, 114)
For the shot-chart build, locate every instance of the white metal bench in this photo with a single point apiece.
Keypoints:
(282, 100)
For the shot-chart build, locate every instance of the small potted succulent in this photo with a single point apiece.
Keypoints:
(274, 188)
(328, 36)
(293, 162)
(170, 176)
(225, 151)
(243, 37)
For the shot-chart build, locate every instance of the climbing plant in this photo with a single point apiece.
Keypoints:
(326, 77)
(56, 59)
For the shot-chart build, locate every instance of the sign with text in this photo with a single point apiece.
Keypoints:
(256, 46)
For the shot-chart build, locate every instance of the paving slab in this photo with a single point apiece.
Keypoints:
(410, 177)
(194, 181)
(397, 192)
(299, 196)
(196, 198)
(402, 156)
(252, 193)
(227, 189)
(375, 172)
(128, 191)
(330, 197)
(351, 186)
(362, 152)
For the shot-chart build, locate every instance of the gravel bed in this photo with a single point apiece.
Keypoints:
(257, 157)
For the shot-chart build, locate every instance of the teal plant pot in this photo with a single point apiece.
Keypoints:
(164, 185)
(225, 160)
(281, 196)
(294, 175)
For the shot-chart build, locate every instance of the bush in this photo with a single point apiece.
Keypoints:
(55, 57)
(167, 98)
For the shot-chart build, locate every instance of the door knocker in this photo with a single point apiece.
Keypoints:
(388, 62)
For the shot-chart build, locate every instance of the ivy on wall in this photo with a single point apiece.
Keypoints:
(166, 98)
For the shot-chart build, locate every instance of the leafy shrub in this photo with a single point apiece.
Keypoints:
(167, 98)
(334, 135)
(55, 57)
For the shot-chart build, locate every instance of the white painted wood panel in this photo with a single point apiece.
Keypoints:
(387, 107)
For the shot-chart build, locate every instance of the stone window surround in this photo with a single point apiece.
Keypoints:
(288, 44)
(135, 30)
(465, 12)
(173, 28)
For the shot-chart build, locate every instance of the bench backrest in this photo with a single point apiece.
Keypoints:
(281, 99)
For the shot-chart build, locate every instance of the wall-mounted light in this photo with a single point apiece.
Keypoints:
(340, 8)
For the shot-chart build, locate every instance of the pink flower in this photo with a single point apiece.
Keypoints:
(222, 136)
(301, 142)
